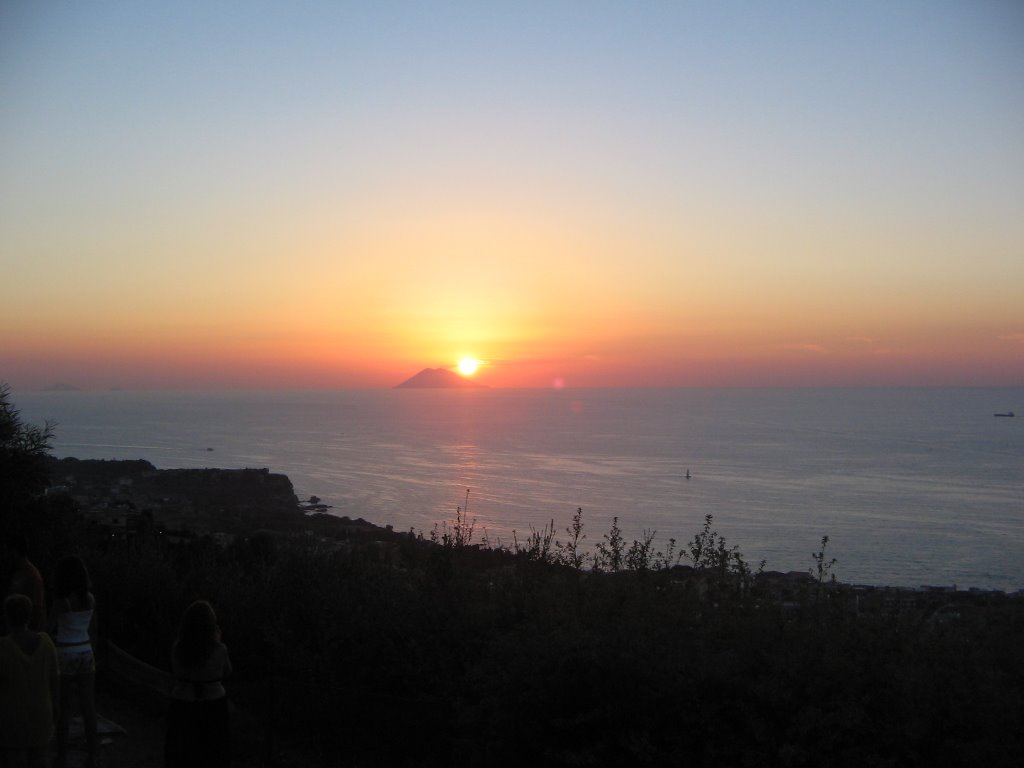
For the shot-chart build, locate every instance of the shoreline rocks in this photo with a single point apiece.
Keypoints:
(127, 495)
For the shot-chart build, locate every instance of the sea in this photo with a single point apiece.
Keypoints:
(913, 486)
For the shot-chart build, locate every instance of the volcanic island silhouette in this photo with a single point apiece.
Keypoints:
(439, 378)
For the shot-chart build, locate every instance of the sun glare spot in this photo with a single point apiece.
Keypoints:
(468, 366)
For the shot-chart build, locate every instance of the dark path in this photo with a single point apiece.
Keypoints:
(129, 737)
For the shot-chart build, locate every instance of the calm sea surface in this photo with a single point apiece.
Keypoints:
(913, 486)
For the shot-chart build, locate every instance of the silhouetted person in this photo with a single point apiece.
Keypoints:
(74, 625)
(28, 688)
(197, 722)
(25, 580)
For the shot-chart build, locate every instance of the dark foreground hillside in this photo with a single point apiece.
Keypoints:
(359, 646)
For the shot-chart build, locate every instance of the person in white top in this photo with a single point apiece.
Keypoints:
(74, 629)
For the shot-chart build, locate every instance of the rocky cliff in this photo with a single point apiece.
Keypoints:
(224, 500)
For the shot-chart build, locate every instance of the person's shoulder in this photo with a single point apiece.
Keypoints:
(75, 603)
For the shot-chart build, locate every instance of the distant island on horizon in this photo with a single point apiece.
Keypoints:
(60, 386)
(439, 378)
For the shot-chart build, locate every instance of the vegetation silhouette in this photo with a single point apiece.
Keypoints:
(23, 456)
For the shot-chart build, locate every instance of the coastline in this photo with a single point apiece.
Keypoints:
(126, 497)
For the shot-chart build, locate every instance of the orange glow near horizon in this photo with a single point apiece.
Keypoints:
(319, 347)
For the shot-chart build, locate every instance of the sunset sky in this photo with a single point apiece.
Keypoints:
(330, 194)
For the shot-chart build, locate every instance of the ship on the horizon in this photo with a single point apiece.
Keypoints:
(1007, 415)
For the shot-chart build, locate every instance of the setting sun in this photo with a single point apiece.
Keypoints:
(468, 366)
